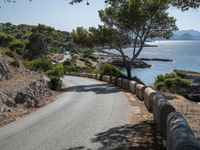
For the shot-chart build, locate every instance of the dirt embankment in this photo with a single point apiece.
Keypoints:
(21, 92)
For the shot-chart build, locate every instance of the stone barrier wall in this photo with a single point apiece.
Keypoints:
(94, 76)
(125, 84)
(140, 91)
(114, 80)
(149, 93)
(179, 134)
(132, 86)
(162, 108)
(172, 125)
(119, 82)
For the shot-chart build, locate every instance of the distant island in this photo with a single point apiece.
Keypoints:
(186, 35)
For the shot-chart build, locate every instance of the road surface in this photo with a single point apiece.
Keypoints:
(88, 115)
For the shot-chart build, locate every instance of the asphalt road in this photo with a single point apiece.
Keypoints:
(89, 115)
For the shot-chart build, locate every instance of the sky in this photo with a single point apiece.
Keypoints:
(60, 15)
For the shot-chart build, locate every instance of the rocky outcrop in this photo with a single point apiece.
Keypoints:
(3, 69)
(136, 64)
(28, 95)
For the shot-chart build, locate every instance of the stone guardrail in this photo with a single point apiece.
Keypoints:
(119, 82)
(179, 134)
(140, 91)
(114, 80)
(149, 94)
(132, 86)
(161, 109)
(172, 125)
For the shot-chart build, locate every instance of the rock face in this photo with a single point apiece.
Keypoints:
(136, 64)
(28, 95)
(3, 69)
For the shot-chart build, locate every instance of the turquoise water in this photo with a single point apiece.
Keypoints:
(185, 55)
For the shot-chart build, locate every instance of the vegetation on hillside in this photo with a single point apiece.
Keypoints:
(172, 82)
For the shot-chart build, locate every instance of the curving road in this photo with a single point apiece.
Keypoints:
(88, 115)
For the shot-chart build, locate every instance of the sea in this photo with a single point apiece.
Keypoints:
(185, 55)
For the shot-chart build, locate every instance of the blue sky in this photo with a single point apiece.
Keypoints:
(61, 15)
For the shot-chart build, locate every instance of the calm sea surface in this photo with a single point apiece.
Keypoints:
(185, 55)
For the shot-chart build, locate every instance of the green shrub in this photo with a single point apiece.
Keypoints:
(57, 71)
(5, 39)
(111, 70)
(39, 64)
(183, 73)
(171, 82)
(10, 54)
(78, 69)
(160, 85)
(55, 83)
(96, 71)
(67, 63)
(15, 63)
(17, 46)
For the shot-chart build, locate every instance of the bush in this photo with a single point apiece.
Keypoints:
(39, 64)
(111, 70)
(56, 71)
(55, 83)
(67, 63)
(172, 82)
(17, 46)
(160, 85)
(96, 71)
(183, 73)
(5, 39)
(78, 69)
(10, 54)
(15, 63)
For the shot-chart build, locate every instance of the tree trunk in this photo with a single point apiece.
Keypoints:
(128, 70)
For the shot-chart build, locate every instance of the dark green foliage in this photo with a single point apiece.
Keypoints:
(111, 70)
(183, 73)
(82, 37)
(55, 83)
(17, 46)
(5, 39)
(39, 64)
(79, 69)
(172, 82)
(38, 35)
(10, 54)
(67, 63)
(57, 70)
(15, 63)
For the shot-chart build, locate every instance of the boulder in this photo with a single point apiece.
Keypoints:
(140, 91)
(179, 134)
(149, 93)
(132, 86)
(125, 84)
(161, 109)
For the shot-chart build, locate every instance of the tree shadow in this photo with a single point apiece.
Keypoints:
(142, 136)
(96, 88)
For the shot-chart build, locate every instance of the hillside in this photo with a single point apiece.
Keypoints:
(186, 35)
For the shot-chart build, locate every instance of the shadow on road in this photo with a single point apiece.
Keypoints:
(96, 88)
(143, 136)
